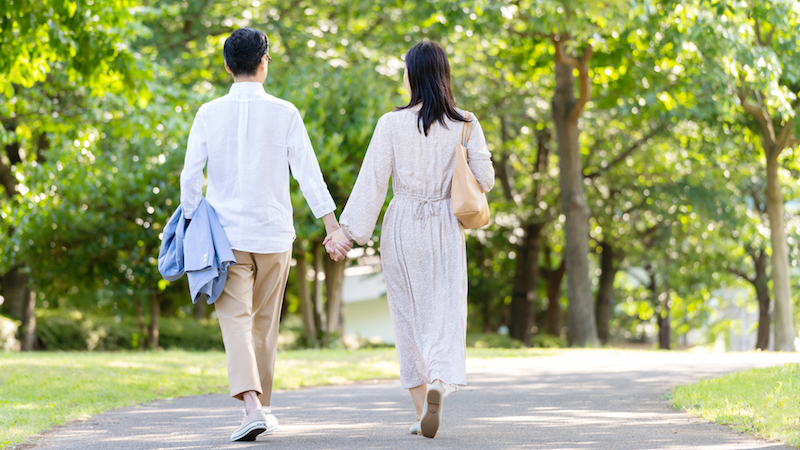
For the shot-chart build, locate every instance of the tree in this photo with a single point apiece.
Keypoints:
(80, 39)
(753, 69)
(575, 30)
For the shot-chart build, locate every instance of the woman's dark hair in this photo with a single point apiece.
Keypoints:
(244, 49)
(429, 76)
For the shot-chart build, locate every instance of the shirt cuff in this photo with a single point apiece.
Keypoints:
(188, 213)
(323, 208)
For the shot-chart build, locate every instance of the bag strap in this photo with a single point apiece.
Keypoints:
(466, 130)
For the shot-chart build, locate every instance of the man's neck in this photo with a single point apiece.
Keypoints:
(257, 78)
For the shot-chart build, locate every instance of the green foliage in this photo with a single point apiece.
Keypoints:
(73, 330)
(492, 340)
(83, 38)
(99, 97)
(758, 401)
(546, 341)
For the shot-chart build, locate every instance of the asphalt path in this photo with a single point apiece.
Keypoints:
(606, 399)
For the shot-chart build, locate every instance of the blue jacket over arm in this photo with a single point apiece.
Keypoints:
(201, 250)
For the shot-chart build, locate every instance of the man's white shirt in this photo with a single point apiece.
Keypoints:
(251, 140)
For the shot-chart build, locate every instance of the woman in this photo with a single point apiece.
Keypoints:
(423, 252)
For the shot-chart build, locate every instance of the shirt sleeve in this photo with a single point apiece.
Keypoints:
(479, 158)
(305, 168)
(369, 193)
(192, 178)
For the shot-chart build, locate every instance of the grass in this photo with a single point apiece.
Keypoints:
(488, 353)
(764, 402)
(44, 389)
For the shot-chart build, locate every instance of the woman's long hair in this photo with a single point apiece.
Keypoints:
(429, 76)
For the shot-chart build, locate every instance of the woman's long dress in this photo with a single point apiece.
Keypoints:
(423, 252)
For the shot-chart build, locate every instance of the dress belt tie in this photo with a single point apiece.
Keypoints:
(425, 208)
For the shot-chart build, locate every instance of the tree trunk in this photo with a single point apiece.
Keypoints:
(553, 315)
(664, 329)
(784, 326)
(155, 312)
(523, 298)
(581, 324)
(661, 305)
(306, 306)
(762, 294)
(19, 301)
(15, 292)
(137, 308)
(605, 290)
(319, 307)
(200, 309)
(28, 329)
(7, 178)
(334, 280)
(484, 301)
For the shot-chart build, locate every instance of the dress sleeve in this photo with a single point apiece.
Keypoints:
(192, 178)
(305, 168)
(369, 193)
(480, 160)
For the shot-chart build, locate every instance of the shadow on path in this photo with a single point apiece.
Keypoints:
(575, 400)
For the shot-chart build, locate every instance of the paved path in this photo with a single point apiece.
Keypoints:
(576, 400)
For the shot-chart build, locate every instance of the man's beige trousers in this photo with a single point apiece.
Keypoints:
(249, 310)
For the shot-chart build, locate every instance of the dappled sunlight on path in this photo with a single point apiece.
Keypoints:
(578, 399)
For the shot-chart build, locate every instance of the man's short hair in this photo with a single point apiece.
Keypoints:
(244, 49)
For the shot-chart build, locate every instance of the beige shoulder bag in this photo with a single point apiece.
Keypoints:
(469, 200)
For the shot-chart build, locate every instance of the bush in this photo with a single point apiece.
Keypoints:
(547, 341)
(8, 334)
(73, 330)
(492, 340)
(190, 334)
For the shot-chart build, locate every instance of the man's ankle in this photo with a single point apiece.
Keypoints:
(251, 402)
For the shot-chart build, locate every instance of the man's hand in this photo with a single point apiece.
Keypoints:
(337, 245)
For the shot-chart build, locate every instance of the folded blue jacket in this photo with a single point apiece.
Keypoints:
(201, 250)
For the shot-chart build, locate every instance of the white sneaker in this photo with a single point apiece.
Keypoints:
(252, 426)
(432, 415)
(271, 421)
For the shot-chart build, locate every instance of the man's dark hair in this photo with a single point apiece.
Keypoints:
(244, 49)
(429, 76)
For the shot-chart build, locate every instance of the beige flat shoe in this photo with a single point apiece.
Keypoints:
(415, 428)
(432, 415)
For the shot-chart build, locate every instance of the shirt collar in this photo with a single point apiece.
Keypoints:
(247, 87)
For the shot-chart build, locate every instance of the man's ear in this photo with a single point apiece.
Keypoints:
(228, 69)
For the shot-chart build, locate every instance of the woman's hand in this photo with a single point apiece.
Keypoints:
(337, 245)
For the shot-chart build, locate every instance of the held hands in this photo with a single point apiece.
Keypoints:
(337, 245)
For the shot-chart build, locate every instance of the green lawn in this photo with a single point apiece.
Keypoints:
(40, 390)
(764, 402)
(43, 389)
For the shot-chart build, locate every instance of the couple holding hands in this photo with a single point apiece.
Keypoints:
(250, 142)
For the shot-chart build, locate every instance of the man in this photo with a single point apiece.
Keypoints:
(250, 141)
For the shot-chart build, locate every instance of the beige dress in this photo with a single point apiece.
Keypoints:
(422, 246)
